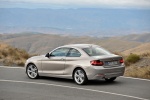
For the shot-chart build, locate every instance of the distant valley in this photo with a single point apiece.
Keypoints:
(96, 22)
(43, 43)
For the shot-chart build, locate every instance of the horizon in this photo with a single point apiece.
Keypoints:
(64, 4)
(86, 17)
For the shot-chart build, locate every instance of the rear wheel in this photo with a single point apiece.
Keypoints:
(110, 79)
(79, 76)
(32, 71)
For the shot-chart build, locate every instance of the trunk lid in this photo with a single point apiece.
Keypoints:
(109, 60)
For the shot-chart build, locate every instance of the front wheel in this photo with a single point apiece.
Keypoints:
(79, 76)
(32, 71)
(110, 79)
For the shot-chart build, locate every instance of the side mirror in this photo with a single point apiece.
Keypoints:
(47, 55)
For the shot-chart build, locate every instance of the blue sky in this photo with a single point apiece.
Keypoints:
(129, 16)
(58, 4)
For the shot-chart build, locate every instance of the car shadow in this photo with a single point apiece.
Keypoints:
(102, 82)
(90, 82)
(54, 79)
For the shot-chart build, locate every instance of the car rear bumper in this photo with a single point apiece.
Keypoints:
(99, 72)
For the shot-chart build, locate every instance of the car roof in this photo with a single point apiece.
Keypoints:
(79, 45)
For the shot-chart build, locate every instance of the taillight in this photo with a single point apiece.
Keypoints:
(96, 63)
(121, 61)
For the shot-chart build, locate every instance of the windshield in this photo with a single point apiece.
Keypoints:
(96, 51)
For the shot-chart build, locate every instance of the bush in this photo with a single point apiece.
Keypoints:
(132, 58)
(13, 56)
(21, 63)
(7, 62)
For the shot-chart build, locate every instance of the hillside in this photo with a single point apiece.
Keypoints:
(141, 49)
(137, 37)
(43, 43)
(139, 69)
(10, 56)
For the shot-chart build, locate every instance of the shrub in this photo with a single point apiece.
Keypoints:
(13, 56)
(21, 63)
(4, 53)
(7, 62)
(132, 58)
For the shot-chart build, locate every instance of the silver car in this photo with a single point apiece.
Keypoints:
(81, 62)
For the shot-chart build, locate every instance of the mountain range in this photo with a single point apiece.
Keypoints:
(43, 43)
(78, 22)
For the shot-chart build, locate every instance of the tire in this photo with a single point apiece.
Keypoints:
(32, 71)
(79, 76)
(110, 79)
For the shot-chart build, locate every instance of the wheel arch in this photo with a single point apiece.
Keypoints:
(78, 67)
(29, 64)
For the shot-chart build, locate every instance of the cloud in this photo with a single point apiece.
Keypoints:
(89, 3)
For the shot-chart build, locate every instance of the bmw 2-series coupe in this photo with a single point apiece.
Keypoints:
(80, 62)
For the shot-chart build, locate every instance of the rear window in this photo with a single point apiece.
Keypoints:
(96, 51)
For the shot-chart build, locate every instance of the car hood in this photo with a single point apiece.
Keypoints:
(37, 57)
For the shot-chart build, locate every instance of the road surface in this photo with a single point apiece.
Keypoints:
(15, 85)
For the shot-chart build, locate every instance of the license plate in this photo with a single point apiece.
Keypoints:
(110, 63)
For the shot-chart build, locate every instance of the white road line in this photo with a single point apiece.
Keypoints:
(11, 67)
(15, 81)
(136, 78)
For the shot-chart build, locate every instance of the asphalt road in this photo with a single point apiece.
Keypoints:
(15, 85)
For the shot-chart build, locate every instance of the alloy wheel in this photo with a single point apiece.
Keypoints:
(80, 76)
(32, 71)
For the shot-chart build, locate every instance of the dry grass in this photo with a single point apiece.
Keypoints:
(12, 56)
(146, 54)
(139, 50)
(138, 72)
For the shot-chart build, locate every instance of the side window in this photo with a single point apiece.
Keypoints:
(73, 53)
(60, 52)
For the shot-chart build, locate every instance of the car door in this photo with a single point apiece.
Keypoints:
(55, 63)
(72, 59)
